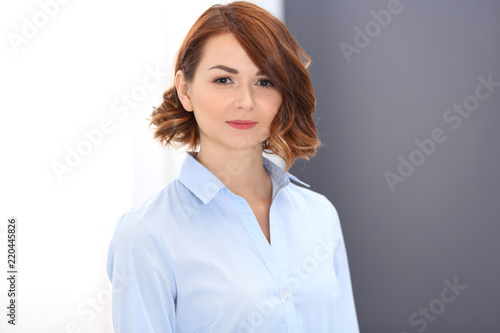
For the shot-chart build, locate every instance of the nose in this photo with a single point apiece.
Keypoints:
(244, 98)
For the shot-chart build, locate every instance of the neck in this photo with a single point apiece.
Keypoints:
(241, 171)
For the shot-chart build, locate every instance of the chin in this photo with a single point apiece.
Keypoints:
(245, 144)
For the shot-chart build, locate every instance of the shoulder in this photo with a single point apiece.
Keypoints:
(313, 207)
(139, 233)
(133, 235)
(311, 198)
(149, 222)
(159, 209)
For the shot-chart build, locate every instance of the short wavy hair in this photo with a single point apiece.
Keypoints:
(275, 52)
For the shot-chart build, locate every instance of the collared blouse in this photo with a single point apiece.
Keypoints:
(194, 259)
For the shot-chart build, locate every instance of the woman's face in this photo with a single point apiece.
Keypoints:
(233, 103)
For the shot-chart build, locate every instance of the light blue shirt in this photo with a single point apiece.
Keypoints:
(193, 258)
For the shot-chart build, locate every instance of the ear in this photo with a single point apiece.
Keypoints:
(183, 90)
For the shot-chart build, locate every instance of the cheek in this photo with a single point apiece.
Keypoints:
(210, 103)
(209, 112)
(275, 105)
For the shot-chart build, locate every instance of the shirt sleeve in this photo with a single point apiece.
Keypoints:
(345, 318)
(143, 282)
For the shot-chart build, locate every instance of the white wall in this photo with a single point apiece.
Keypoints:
(67, 69)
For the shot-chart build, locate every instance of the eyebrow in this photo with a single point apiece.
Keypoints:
(231, 70)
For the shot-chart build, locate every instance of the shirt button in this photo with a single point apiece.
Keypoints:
(287, 294)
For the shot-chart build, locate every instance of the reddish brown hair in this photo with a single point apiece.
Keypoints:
(275, 52)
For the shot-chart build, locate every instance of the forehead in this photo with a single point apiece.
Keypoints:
(224, 49)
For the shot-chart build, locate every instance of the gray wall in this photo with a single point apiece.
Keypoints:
(439, 223)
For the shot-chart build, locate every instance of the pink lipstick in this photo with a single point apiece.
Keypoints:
(241, 124)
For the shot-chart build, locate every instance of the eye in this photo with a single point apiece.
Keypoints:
(265, 83)
(222, 80)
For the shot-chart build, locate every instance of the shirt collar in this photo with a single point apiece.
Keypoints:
(205, 185)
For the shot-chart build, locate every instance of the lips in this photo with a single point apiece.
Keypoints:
(241, 124)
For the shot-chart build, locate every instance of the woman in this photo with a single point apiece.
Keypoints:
(231, 245)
